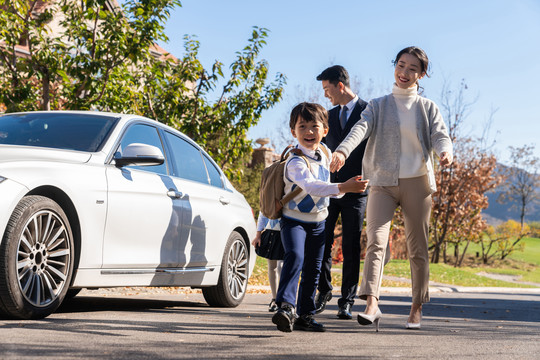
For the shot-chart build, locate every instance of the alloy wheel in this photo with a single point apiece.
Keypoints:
(237, 269)
(44, 255)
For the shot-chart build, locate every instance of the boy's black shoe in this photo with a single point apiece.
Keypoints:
(306, 322)
(321, 300)
(284, 318)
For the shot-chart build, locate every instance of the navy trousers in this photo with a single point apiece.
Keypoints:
(304, 247)
(352, 209)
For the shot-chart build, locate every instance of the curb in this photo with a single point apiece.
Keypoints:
(466, 289)
(433, 289)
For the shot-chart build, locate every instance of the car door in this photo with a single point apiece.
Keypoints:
(143, 215)
(205, 217)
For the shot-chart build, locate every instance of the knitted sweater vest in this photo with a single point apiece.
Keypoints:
(305, 207)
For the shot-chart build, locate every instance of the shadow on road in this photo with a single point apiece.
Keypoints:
(94, 304)
(478, 306)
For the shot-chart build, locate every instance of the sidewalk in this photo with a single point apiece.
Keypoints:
(434, 287)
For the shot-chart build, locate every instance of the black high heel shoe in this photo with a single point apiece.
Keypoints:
(365, 319)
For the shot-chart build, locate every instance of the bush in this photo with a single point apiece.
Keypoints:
(534, 229)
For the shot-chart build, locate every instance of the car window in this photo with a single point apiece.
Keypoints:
(70, 131)
(187, 159)
(144, 134)
(213, 174)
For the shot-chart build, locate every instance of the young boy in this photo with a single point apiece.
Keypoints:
(302, 223)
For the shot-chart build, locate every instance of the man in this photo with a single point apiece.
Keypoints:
(347, 110)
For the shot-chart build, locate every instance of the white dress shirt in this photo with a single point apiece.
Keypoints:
(298, 172)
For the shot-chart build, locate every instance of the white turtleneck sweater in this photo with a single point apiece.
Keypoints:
(411, 159)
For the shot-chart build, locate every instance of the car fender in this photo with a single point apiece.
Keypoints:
(11, 192)
(84, 185)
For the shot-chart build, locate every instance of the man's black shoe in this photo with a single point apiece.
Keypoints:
(321, 300)
(284, 318)
(306, 322)
(344, 312)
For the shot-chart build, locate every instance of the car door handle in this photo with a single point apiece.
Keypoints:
(174, 194)
(224, 200)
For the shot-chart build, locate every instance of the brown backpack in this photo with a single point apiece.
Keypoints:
(271, 199)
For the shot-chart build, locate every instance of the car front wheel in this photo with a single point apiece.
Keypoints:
(233, 277)
(36, 259)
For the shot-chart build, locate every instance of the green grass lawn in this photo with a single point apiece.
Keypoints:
(531, 253)
(525, 264)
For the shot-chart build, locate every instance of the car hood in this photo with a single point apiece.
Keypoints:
(12, 153)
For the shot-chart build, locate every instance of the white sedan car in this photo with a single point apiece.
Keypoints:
(92, 199)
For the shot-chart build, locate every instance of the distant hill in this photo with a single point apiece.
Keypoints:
(497, 213)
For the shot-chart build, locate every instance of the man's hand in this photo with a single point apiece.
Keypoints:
(354, 185)
(445, 159)
(338, 159)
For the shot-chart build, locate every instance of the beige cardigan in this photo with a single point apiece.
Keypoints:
(380, 122)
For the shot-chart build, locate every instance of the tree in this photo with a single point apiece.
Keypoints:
(88, 63)
(102, 59)
(523, 183)
(502, 240)
(461, 196)
(456, 216)
(221, 125)
(23, 75)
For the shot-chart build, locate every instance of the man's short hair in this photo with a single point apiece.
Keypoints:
(309, 112)
(334, 75)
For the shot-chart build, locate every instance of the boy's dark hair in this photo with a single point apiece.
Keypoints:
(309, 112)
(334, 75)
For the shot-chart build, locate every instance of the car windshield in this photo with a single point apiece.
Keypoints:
(81, 132)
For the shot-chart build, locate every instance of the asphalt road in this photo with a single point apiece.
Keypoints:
(165, 324)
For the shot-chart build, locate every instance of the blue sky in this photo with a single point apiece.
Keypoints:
(494, 45)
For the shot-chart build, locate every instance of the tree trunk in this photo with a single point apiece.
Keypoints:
(46, 97)
(522, 215)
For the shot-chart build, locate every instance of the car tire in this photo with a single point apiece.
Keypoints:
(36, 259)
(71, 293)
(233, 277)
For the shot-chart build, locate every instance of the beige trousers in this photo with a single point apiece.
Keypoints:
(414, 196)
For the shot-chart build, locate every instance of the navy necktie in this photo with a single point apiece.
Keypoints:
(343, 117)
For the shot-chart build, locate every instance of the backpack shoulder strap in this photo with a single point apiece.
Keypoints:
(323, 149)
(298, 189)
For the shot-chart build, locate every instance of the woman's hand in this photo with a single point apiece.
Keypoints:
(257, 240)
(338, 159)
(445, 159)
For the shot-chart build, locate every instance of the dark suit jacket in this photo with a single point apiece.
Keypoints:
(353, 165)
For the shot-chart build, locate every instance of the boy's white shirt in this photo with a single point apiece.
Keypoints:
(298, 172)
(265, 223)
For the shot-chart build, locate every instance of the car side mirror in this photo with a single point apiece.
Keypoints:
(139, 155)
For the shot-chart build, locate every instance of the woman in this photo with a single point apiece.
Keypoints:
(403, 129)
